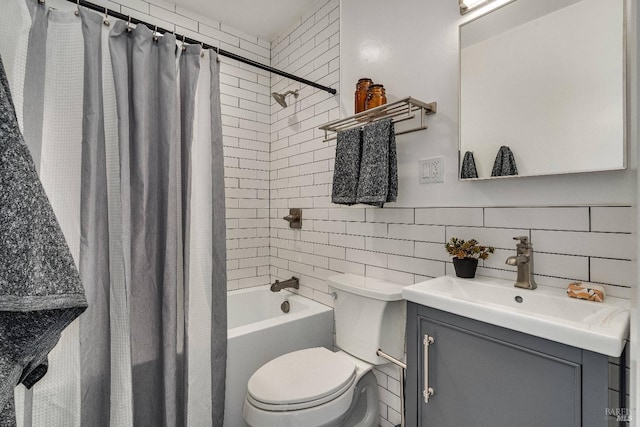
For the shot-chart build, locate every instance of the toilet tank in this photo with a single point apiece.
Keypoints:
(370, 315)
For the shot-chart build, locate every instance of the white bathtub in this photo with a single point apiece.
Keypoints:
(259, 331)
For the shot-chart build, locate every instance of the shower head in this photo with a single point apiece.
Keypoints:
(281, 98)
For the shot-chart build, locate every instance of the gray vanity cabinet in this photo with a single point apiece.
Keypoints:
(485, 375)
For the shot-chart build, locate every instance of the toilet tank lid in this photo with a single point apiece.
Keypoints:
(366, 286)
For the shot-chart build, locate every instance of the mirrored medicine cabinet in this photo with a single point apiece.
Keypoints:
(545, 78)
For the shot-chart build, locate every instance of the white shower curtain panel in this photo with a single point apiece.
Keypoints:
(198, 324)
(15, 23)
(75, 131)
(57, 399)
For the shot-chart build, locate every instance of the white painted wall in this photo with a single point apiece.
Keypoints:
(412, 48)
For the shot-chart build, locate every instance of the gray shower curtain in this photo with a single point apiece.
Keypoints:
(95, 334)
(219, 253)
(145, 77)
(139, 128)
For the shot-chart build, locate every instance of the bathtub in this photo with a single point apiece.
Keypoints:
(259, 331)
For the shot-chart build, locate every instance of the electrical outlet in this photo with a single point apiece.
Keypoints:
(431, 170)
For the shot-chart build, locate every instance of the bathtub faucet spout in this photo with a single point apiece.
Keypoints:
(289, 283)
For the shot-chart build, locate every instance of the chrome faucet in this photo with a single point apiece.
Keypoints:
(524, 261)
(289, 283)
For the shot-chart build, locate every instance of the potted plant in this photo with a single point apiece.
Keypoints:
(466, 254)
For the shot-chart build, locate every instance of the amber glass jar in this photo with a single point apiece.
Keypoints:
(375, 96)
(361, 94)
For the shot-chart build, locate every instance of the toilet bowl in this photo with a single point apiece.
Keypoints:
(312, 387)
(318, 387)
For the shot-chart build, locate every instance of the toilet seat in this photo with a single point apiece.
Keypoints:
(301, 379)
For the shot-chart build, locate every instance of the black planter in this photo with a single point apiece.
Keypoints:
(465, 267)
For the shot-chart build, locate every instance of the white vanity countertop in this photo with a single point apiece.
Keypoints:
(545, 312)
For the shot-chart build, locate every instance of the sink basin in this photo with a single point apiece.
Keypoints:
(545, 312)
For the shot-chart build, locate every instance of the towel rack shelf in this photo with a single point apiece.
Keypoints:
(401, 110)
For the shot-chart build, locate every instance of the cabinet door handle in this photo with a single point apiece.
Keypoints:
(428, 391)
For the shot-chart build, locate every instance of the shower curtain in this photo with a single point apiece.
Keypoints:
(125, 128)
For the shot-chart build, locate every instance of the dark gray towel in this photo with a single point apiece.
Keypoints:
(347, 167)
(40, 289)
(468, 168)
(505, 163)
(378, 181)
(392, 196)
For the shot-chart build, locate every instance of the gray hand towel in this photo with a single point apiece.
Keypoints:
(392, 196)
(505, 163)
(347, 167)
(40, 289)
(378, 181)
(468, 169)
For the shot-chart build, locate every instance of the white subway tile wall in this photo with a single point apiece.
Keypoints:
(275, 159)
(409, 253)
(349, 243)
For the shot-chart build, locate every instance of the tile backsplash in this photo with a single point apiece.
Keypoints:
(406, 245)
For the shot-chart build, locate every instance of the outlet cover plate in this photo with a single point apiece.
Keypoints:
(431, 170)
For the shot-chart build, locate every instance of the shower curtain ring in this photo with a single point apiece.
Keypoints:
(106, 17)
(155, 33)
(201, 50)
(184, 46)
(129, 24)
(77, 11)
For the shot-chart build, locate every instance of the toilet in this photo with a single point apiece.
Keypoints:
(317, 387)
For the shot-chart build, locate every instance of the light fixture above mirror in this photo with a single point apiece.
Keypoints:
(469, 5)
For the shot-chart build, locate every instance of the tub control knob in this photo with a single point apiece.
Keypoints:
(285, 307)
(294, 218)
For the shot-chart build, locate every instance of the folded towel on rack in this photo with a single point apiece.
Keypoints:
(505, 163)
(468, 169)
(378, 181)
(40, 289)
(347, 167)
(392, 196)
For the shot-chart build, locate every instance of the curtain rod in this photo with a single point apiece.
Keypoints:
(189, 40)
